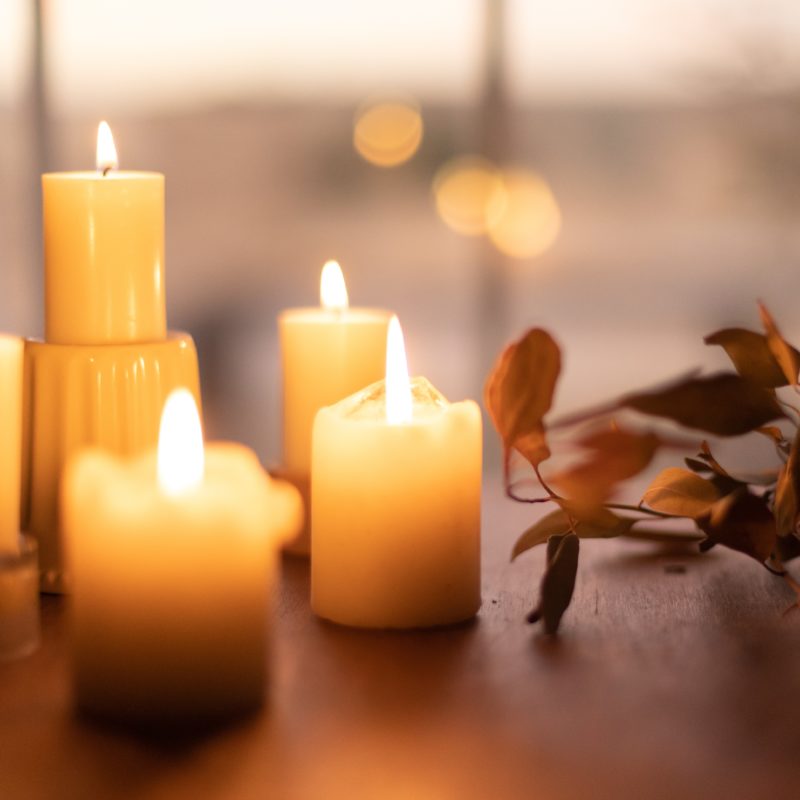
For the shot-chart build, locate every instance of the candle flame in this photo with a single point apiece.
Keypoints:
(332, 289)
(181, 459)
(398, 386)
(106, 151)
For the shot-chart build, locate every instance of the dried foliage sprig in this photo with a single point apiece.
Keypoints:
(758, 515)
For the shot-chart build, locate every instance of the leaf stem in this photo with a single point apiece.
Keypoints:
(578, 417)
(510, 494)
(641, 509)
(549, 491)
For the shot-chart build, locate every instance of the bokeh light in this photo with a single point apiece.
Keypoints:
(388, 133)
(530, 219)
(515, 208)
(470, 194)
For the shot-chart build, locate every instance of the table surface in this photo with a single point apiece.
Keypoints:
(666, 682)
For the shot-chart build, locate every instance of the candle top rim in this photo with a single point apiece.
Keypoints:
(93, 174)
(320, 315)
(129, 485)
(367, 406)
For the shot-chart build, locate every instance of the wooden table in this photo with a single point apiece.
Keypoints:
(667, 682)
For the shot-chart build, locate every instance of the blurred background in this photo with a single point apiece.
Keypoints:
(625, 173)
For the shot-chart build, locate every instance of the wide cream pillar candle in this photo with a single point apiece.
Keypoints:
(395, 504)
(104, 253)
(11, 349)
(173, 559)
(327, 353)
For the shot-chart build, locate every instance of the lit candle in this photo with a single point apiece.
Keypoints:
(104, 253)
(172, 557)
(108, 363)
(395, 504)
(327, 353)
(10, 441)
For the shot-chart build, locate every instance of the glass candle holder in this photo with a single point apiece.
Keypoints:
(19, 600)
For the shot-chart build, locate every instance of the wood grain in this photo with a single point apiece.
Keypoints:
(676, 676)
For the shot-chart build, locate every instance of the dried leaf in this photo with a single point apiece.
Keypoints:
(720, 477)
(601, 525)
(558, 581)
(743, 522)
(751, 355)
(714, 465)
(787, 548)
(615, 455)
(787, 493)
(787, 357)
(681, 493)
(519, 392)
(773, 432)
(722, 404)
(697, 466)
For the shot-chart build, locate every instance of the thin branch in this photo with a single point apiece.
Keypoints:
(641, 509)
(549, 491)
(583, 416)
(520, 499)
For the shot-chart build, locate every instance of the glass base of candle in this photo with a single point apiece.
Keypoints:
(301, 544)
(19, 600)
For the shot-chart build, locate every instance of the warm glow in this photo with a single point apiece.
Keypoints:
(106, 151)
(398, 386)
(470, 194)
(530, 219)
(388, 133)
(332, 289)
(181, 460)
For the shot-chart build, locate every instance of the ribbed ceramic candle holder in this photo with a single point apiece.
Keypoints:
(109, 396)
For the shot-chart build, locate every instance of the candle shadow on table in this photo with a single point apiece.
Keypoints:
(666, 558)
(168, 737)
(150, 757)
(405, 670)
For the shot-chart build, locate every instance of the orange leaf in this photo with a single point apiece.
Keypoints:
(743, 522)
(787, 492)
(751, 355)
(615, 455)
(723, 404)
(519, 392)
(787, 357)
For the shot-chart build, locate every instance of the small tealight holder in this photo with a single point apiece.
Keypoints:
(19, 600)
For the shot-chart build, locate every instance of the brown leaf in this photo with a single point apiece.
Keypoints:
(741, 521)
(615, 455)
(558, 581)
(787, 493)
(519, 392)
(720, 477)
(723, 404)
(602, 524)
(787, 548)
(751, 355)
(681, 493)
(697, 466)
(787, 357)
(714, 465)
(773, 432)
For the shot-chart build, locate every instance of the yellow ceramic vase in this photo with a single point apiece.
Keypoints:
(106, 395)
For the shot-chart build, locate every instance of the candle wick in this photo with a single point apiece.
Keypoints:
(106, 170)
